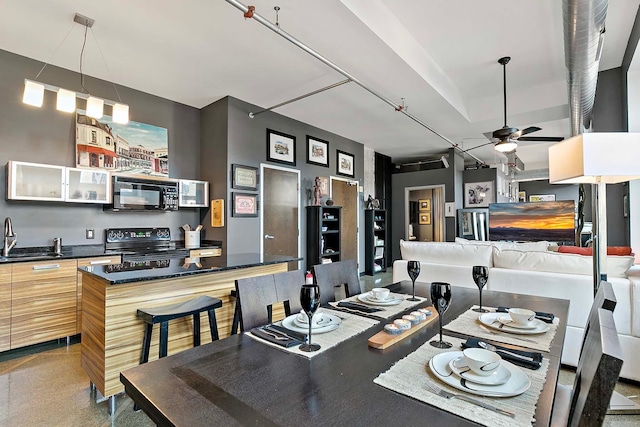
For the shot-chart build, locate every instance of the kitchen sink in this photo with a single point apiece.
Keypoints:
(29, 255)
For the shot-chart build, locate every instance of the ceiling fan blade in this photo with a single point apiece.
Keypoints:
(530, 129)
(542, 138)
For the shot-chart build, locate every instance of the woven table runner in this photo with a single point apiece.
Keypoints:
(351, 325)
(467, 323)
(388, 311)
(409, 376)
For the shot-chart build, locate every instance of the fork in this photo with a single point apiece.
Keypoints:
(271, 334)
(440, 392)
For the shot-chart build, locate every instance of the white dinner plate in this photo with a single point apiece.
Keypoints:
(491, 320)
(500, 376)
(328, 323)
(517, 384)
(368, 299)
(506, 320)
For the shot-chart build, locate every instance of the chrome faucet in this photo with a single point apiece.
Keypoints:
(10, 238)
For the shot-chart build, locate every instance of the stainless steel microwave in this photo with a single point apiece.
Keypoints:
(138, 194)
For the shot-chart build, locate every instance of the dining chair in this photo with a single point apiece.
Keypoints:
(596, 376)
(605, 298)
(254, 299)
(288, 286)
(337, 274)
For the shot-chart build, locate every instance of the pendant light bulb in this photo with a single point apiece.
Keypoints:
(95, 107)
(120, 113)
(33, 93)
(66, 101)
(506, 145)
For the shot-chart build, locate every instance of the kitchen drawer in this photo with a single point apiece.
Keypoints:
(28, 272)
(5, 307)
(204, 252)
(58, 321)
(85, 262)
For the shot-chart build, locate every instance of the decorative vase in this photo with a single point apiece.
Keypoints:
(329, 202)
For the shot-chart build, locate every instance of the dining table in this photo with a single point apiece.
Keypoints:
(242, 381)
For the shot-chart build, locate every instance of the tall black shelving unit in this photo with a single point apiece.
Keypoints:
(375, 241)
(324, 226)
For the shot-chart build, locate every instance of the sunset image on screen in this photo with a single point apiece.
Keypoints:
(554, 221)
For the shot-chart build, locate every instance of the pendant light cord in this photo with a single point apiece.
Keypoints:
(84, 43)
(54, 52)
(106, 66)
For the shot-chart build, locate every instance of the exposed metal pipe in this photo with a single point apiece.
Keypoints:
(252, 115)
(249, 12)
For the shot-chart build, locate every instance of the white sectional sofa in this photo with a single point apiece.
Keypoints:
(530, 268)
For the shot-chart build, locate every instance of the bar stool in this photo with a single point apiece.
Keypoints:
(165, 313)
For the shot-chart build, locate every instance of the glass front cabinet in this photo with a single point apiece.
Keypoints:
(88, 186)
(193, 194)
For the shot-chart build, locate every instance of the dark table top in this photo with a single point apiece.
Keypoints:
(239, 381)
(167, 268)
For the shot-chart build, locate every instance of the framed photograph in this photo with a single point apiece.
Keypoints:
(244, 177)
(473, 223)
(522, 196)
(424, 204)
(345, 166)
(245, 205)
(542, 198)
(425, 218)
(281, 148)
(478, 194)
(317, 151)
(379, 252)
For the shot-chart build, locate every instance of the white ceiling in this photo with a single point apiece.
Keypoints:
(441, 56)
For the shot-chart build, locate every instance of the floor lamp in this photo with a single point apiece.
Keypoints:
(598, 159)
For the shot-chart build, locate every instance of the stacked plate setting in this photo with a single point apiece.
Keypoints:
(370, 298)
(451, 368)
(504, 322)
(300, 323)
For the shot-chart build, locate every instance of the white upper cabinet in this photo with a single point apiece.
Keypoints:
(193, 194)
(88, 186)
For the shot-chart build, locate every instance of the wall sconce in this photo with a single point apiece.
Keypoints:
(66, 99)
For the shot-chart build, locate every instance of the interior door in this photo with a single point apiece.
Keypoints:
(346, 195)
(280, 212)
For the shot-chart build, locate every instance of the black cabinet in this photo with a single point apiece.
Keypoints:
(375, 241)
(323, 234)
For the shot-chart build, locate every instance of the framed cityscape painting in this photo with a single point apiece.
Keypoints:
(317, 151)
(345, 165)
(281, 148)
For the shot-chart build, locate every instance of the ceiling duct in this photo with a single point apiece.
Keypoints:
(584, 26)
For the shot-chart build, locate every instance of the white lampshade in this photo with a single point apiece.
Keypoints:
(121, 113)
(95, 107)
(33, 93)
(595, 157)
(506, 145)
(66, 101)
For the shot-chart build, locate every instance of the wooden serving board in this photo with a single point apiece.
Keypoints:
(383, 339)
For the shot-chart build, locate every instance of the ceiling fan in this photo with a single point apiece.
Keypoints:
(506, 138)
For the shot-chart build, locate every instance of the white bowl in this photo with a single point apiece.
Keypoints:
(521, 316)
(303, 318)
(480, 361)
(380, 294)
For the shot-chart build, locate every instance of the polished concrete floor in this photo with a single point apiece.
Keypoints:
(45, 386)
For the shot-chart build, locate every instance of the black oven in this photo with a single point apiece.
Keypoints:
(136, 194)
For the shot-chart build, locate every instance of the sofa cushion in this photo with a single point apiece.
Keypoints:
(447, 253)
(540, 246)
(554, 262)
(611, 250)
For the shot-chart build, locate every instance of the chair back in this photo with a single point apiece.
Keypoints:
(255, 296)
(288, 286)
(336, 274)
(605, 298)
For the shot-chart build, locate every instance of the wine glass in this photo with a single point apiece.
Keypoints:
(480, 276)
(440, 297)
(413, 269)
(310, 301)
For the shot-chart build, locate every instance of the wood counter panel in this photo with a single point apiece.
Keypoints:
(5, 307)
(85, 262)
(112, 333)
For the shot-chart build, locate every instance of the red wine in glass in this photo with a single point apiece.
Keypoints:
(413, 269)
(440, 297)
(310, 301)
(480, 276)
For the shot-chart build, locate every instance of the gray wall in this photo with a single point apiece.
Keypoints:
(45, 135)
(562, 191)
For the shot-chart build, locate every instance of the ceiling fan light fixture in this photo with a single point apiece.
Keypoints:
(506, 145)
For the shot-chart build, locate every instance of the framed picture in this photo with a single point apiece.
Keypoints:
(245, 205)
(244, 177)
(324, 186)
(522, 196)
(317, 151)
(281, 148)
(345, 164)
(478, 194)
(425, 218)
(424, 204)
(473, 223)
(542, 198)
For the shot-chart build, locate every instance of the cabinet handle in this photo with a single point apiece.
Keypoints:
(104, 261)
(46, 267)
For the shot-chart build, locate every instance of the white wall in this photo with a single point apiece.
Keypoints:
(633, 102)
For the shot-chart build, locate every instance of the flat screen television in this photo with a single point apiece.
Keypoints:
(532, 221)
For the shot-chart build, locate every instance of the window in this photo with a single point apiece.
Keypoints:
(94, 136)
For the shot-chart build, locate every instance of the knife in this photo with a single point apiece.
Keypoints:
(280, 330)
(359, 307)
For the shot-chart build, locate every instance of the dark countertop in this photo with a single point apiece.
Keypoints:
(45, 253)
(179, 267)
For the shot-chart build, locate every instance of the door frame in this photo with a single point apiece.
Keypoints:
(407, 190)
(357, 184)
(264, 166)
